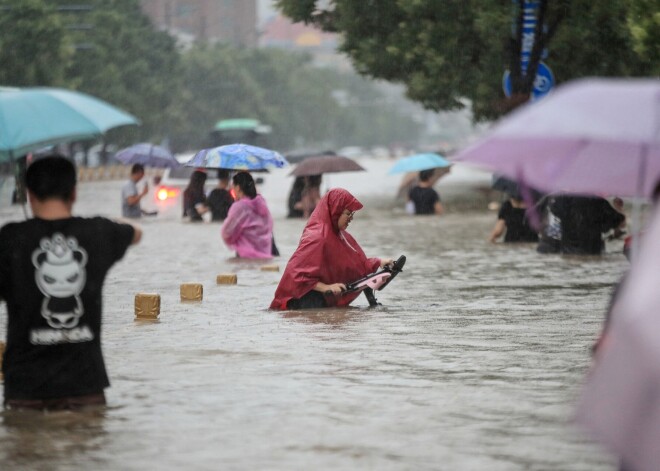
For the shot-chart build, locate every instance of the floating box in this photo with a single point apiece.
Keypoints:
(192, 291)
(227, 279)
(270, 268)
(147, 306)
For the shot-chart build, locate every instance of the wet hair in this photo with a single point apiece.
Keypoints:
(223, 174)
(314, 180)
(245, 182)
(425, 175)
(197, 180)
(298, 183)
(51, 177)
(137, 168)
(655, 195)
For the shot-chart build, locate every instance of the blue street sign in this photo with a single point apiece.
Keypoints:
(543, 82)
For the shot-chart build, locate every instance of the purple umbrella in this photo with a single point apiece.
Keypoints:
(620, 403)
(590, 136)
(148, 155)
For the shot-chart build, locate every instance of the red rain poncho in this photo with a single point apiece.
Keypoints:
(325, 254)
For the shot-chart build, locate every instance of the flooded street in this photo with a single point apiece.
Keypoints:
(473, 361)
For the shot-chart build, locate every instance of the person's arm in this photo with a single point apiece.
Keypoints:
(137, 234)
(137, 230)
(612, 218)
(201, 208)
(134, 199)
(336, 288)
(232, 227)
(498, 230)
(437, 208)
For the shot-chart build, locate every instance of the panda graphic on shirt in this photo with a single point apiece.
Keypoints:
(60, 275)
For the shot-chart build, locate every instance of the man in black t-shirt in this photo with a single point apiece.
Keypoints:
(220, 199)
(52, 269)
(425, 199)
(512, 221)
(584, 219)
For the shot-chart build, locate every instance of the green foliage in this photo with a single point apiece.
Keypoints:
(129, 64)
(644, 24)
(447, 51)
(121, 58)
(34, 49)
(286, 92)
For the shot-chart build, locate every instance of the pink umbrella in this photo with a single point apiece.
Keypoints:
(589, 136)
(620, 403)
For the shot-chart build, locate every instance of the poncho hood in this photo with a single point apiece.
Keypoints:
(257, 205)
(325, 254)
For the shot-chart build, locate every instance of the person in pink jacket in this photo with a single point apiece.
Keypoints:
(248, 228)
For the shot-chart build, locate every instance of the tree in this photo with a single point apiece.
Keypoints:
(217, 86)
(128, 63)
(34, 47)
(109, 49)
(285, 91)
(449, 51)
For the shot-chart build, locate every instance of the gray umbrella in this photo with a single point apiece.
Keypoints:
(325, 164)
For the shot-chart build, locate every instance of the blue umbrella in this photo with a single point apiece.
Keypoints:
(237, 157)
(148, 155)
(419, 162)
(32, 118)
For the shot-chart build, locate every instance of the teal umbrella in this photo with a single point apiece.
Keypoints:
(32, 118)
(418, 162)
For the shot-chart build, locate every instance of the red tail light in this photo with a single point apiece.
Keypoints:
(165, 193)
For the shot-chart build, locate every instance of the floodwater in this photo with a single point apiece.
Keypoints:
(473, 361)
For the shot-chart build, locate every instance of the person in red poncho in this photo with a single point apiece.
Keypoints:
(326, 259)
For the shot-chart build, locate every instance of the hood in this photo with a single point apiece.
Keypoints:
(331, 206)
(257, 205)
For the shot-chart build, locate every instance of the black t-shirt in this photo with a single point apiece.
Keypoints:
(583, 221)
(517, 226)
(424, 199)
(51, 276)
(219, 201)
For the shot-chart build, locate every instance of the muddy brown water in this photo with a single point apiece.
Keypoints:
(473, 361)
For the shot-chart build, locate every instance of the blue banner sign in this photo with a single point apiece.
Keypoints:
(527, 37)
(543, 82)
(544, 79)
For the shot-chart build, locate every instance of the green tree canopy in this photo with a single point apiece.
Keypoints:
(126, 61)
(285, 91)
(110, 49)
(34, 46)
(449, 51)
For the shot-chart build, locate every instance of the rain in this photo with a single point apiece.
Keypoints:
(479, 355)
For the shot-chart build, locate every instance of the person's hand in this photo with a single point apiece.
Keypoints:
(337, 288)
(384, 262)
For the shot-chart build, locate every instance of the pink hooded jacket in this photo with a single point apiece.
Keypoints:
(248, 228)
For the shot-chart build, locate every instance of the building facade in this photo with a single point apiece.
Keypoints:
(227, 21)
